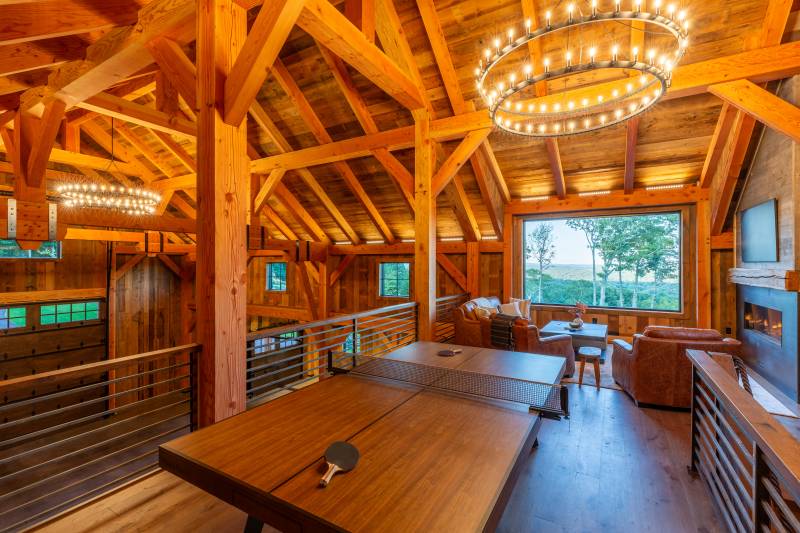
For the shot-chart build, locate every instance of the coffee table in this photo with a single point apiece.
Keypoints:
(594, 335)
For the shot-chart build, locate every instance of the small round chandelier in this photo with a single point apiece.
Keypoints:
(127, 200)
(624, 81)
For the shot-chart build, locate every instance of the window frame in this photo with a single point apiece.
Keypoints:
(381, 278)
(59, 247)
(270, 266)
(58, 310)
(687, 296)
(8, 318)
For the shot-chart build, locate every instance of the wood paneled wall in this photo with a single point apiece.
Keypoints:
(82, 266)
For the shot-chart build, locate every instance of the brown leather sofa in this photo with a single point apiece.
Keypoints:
(527, 339)
(655, 369)
(468, 328)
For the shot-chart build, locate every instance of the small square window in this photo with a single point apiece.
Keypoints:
(395, 279)
(13, 317)
(69, 312)
(276, 276)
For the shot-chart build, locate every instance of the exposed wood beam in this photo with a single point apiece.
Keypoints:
(278, 222)
(186, 181)
(457, 196)
(424, 229)
(631, 138)
(46, 134)
(456, 160)
(7, 116)
(105, 141)
(266, 189)
(494, 167)
(554, 156)
(222, 183)
(177, 150)
(362, 14)
(452, 270)
(175, 64)
(762, 105)
(688, 194)
(114, 106)
(407, 248)
(301, 215)
(269, 32)
(265, 123)
(96, 218)
(279, 311)
(331, 28)
(305, 282)
(774, 23)
(718, 140)
(58, 18)
(24, 57)
(490, 192)
(343, 169)
(157, 159)
(729, 170)
(341, 268)
(473, 269)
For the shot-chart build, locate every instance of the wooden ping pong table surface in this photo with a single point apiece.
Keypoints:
(429, 460)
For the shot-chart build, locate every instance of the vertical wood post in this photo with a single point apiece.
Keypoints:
(508, 256)
(424, 228)
(222, 175)
(473, 269)
(703, 264)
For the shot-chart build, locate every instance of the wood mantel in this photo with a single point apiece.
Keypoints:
(785, 280)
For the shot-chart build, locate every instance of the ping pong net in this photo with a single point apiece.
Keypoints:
(551, 400)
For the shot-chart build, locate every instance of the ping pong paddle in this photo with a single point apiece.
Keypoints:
(341, 457)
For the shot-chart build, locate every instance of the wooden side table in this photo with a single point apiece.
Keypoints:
(589, 353)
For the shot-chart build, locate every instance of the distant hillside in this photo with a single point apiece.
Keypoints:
(578, 272)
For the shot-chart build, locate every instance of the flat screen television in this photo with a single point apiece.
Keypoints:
(760, 233)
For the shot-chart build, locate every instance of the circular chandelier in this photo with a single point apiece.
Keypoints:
(646, 74)
(127, 200)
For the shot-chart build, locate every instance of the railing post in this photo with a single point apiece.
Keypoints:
(193, 390)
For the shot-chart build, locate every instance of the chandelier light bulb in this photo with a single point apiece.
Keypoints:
(651, 54)
(592, 52)
(617, 6)
(542, 128)
(568, 57)
(510, 35)
(571, 105)
(614, 53)
(547, 19)
(594, 8)
(657, 6)
(635, 54)
(528, 70)
(671, 11)
(638, 5)
(546, 64)
(570, 9)
(497, 45)
(528, 25)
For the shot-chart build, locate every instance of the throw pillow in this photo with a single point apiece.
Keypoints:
(524, 307)
(485, 311)
(511, 309)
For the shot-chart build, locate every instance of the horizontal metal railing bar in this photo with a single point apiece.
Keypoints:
(103, 457)
(91, 446)
(69, 502)
(93, 416)
(378, 319)
(775, 521)
(74, 483)
(778, 500)
(452, 297)
(298, 338)
(731, 481)
(334, 320)
(54, 376)
(51, 412)
(715, 494)
(84, 388)
(725, 428)
(103, 427)
(400, 328)
(774, 440)
(303, 363)
(254, 390)
(745, 453)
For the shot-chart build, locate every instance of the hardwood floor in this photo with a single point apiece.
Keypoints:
(610, 467)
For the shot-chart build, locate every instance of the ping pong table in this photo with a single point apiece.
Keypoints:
(441, 445)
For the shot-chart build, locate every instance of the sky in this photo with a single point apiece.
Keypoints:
(571, 248)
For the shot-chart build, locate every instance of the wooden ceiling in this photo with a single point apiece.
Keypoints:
(303, 104)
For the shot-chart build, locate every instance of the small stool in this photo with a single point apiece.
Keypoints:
(590, 353)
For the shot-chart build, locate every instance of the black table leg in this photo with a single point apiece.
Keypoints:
(253, 525)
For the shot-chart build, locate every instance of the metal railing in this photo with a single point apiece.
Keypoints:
(444, 329)
(71, 434)
(748, 460)
(285, 358)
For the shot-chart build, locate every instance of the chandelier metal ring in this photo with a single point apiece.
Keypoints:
(522, 118)
(127, 200)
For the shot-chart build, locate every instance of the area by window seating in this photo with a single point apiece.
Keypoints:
(527, 339)
(469, 329)
(654, 370)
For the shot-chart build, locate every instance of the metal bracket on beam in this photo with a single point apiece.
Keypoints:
(12, 218)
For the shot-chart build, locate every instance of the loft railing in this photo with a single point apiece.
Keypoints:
(444, 329)
(285, 358)
(71, 434)
(750, 462)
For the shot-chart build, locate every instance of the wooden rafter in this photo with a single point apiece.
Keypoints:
(762, 105)
(456, 160)
(266, 189)
(104, 140)
(267, 35)
(556, 169)
(729, 169)
(177, 67)
(631, 138)
(311, 120)
(331, 28)
(261, 118)
(452, 270)
(114, 106)
(301, 215)
(721, 132)
(341, 268)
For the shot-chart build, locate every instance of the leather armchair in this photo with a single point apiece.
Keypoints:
(654, 370)
(470, 330)
(527, 339)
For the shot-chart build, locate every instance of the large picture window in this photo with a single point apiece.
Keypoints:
(395, 279)
(629, 262)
